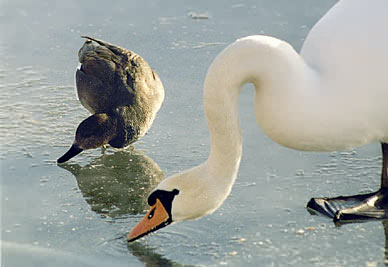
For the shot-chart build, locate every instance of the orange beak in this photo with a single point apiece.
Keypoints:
(156, 218)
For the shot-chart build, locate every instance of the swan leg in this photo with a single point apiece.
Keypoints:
(345, 209)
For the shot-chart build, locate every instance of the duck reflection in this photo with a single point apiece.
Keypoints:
(117, 184)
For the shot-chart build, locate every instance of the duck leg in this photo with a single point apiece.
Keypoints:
(103, 149)
(362, 207)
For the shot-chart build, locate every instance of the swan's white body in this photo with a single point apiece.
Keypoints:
(332, 96)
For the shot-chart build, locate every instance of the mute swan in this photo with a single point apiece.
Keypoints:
(332, 96)
(121, 91)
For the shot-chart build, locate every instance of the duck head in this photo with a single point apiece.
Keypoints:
(95, 131)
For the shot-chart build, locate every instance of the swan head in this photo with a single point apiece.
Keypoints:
(185, 196)
(95, 131)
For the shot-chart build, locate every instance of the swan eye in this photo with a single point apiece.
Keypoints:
(151, 214)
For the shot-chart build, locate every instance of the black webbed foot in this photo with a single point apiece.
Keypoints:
(348, 209)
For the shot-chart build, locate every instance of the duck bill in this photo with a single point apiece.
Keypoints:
(157, 217)
(73, 151)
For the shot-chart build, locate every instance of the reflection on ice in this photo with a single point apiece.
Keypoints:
(117, 184)
(148, 256)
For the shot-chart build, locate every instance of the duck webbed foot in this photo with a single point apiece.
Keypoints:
(347, 209)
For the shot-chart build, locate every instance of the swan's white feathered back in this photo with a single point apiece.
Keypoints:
(348, 47)
(334, 96)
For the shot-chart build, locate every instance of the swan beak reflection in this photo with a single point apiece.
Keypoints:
(157, 217)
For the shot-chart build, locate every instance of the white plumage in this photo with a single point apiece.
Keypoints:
(331, 96)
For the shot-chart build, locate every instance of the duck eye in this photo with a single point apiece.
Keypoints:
(151, 214)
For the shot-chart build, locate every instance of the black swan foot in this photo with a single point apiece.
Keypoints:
(348, 209)
(357, 208)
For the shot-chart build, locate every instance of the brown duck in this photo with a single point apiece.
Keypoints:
(121, 91)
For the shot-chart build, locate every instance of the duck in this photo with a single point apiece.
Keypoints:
(331, 96)
(121, 91)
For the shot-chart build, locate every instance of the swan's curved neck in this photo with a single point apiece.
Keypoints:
(260, 61)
